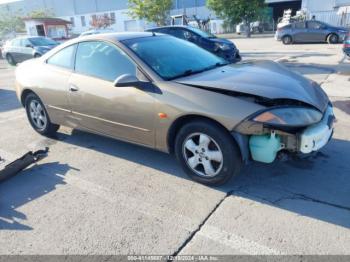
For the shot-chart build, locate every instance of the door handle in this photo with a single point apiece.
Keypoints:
(73, 88)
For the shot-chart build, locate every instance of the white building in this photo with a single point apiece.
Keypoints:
(335, 12)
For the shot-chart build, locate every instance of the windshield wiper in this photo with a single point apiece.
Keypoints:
(192, 72)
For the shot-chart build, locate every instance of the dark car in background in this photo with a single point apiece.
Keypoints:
(311, 31)
(23, 48)
(346, 46)
(218, 46)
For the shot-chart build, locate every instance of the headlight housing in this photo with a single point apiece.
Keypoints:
(223, 46)
(289, 116)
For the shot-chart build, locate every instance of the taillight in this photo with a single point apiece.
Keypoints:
(346, 45)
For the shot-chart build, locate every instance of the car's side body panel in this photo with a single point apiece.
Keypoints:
(51, 85)
(121, 112)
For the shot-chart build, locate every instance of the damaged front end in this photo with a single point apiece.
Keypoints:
(282, 130)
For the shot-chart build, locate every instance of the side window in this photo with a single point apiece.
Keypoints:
(63, 58)
(102, 60)
(314, 25)
(16, 42)
(300, 25)
(181, 33)
(25, 42)
(162, 31)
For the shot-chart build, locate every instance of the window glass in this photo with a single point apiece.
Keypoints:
(63, 58)
(162, 30)
(314, 25)
(171, 57)
(102, 60)
(83, 21)
(300, 25)
(25, 42)
(181, 33)
(202, 33)
(16, 42)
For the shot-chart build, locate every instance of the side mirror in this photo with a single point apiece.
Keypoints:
(127, 80)
(30, 46)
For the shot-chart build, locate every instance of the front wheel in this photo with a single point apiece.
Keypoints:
(38, 117)
(287, 40)
(207, 153)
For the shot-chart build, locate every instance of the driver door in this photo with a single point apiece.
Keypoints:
(127, 113)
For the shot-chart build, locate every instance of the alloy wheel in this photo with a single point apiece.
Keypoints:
(203, 155)
(37, 114)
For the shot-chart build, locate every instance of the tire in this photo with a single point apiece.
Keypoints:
(287, 40)
(38, 116)
(10, 59)
(333, 39)
(193, 149)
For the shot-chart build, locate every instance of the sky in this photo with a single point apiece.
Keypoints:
(7, 1)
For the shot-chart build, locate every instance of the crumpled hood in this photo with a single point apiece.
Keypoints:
(261, 78)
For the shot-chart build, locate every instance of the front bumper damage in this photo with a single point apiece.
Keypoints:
(265, 144)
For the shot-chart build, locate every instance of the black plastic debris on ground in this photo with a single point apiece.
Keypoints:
(21, 163)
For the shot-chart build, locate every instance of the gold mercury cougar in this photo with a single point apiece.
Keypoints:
(168, 94)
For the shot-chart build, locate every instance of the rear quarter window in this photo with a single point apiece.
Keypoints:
(63, 58)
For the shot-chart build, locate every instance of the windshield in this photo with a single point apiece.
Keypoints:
(42, 41)
(202, 33)
(171, 57)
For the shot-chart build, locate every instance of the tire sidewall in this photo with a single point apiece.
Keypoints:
(10, 59)
(287, 42)
(231, 156)
(333, 39)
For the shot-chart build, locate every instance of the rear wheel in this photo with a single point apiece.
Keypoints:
(207, 153)
(38, 117)
(10, 59)
(333, 39)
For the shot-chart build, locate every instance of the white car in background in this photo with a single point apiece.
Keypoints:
(96, 32)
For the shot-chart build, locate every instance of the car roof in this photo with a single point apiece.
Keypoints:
(170, 26)
(112, 37)
(117, 36)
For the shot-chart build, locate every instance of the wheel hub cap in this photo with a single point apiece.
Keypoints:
(203, 155)
(37, 114)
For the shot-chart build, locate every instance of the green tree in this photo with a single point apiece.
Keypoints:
(236, 11)
(156, 11)
(10, 24)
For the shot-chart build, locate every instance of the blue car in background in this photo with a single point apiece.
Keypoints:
(218, 46)
(311, 31)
